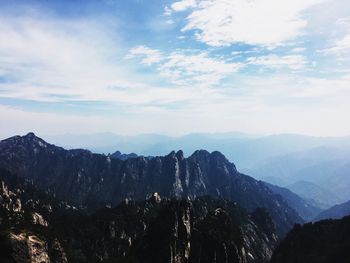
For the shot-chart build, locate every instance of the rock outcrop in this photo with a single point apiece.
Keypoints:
(156, 230)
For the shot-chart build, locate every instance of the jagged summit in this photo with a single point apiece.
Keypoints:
(30, 135)
(97, 180)
(26, 139)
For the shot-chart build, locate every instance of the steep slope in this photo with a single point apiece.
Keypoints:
(335, 212)
(39, 228)
(325, 241)
(305, 208)
(94, 180)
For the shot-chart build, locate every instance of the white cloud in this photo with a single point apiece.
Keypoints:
(53, 60)
(149, 56)
(63, 58)
(297, 50)
(294, 62)
(183, 5)
(255, 22)
(344, 21)
(186, 68)
(339, 46)
(323, 88)
(198, 69)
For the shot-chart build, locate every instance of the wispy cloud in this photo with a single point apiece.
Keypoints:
(186, 67)
(340, 45)
(298, 50)
(183, 5)
(266, 23)
(52, 56)
(149, 56)
(71, 60)
(293, 62)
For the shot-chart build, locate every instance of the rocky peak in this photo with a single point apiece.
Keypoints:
(155, 198)
(30, 135)
(123, 156)
(27, 143)
(180, 155)
(32, 138)
(200, 155)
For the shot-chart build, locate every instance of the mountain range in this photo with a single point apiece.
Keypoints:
(59, 205)
(93, 180)
(282, 160)
(335, 212)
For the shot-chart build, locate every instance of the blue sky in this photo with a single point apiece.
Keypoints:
(175, 67)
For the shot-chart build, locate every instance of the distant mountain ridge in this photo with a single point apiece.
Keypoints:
(307, 210)
(335, 212)
(245, 149)
(312, 191)
(94, 180)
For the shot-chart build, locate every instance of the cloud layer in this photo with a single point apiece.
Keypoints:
(256, 22)
(190, 66)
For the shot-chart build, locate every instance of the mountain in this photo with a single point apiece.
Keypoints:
(335, 212)
(38, 228)
(308, 190)
(93, 180)
(280, 159)
(306, 209)
(325, 241)
(122, 156)
(325, 167)
(338, 181)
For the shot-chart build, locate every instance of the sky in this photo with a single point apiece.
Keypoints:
(175, 67)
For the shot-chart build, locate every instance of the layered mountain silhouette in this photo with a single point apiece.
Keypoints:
(93, 180)
(305, 208)
(335, 212)
(321, 196)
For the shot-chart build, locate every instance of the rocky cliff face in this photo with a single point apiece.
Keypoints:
(25, 216)
(325, 241)
(43, 229)
(202, 230)
(95, 180)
